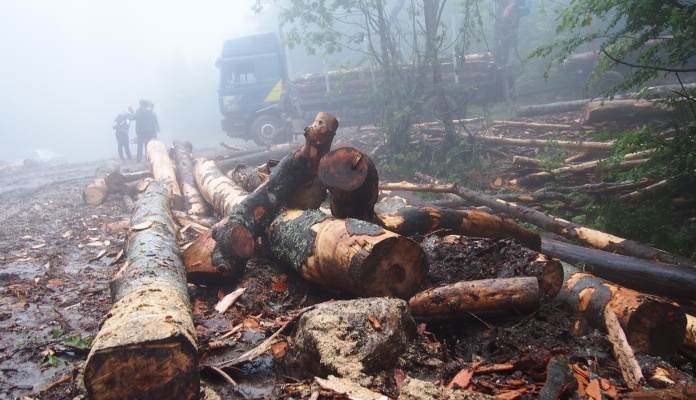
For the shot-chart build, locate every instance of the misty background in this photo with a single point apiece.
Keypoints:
(69, 67)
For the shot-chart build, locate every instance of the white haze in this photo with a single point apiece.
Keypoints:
(69, 67)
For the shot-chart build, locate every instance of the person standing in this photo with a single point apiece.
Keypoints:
(121, 127)
(146, 125)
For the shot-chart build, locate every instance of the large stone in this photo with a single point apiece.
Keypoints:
(350, 338)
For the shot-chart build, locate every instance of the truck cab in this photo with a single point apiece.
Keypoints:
(252, 74)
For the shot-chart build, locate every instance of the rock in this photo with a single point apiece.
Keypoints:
(415, 389)
(350, 338)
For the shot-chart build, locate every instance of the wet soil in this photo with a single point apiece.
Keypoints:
(57, 253)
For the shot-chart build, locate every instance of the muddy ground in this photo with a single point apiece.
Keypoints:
(57, 253)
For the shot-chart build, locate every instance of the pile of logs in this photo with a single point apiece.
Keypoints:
(358, 246)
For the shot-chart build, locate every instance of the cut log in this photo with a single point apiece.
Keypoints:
(674, 281)
(584, 235)
(411, 221)
(351, 178)
(194, 204)
(652, 325)
(642, 192)
(128, 204)
(163, 171)
(482, 297)
(531, 125)
(146, 345)
(107, 179)
(544, 143)
(217, 189)
(135, 188)
(551, 108)
(350, 255)
(249, 178)
(626, 110)
(630, 369)
(291, 181)
(545, 176)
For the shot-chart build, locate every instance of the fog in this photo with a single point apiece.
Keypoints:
(70, 66)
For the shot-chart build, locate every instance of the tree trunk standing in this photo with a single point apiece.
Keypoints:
(481, 297)
(107, 179)
(351, 178)
(411, 221)
(217, 189)
(194, 203)
(674, 281)
(146, 345)
(163, 171)
(351, 255)
(235, 238)
(653, 325)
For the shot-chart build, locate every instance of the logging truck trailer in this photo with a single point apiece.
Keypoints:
(258, 100)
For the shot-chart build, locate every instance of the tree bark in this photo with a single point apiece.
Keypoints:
(351, 178)
(194, 204)
(411, 221)
(163, 171)
(249, 178)
(257, 158)
(630, 369)
(624, 110)
(107, 179)
(146, 345)
(350, 255)
(652, 325)
(482, 297)
(690, 336)
(674, 281)
(551, 108)
(217, 189)
(95, 192)
(291, 181)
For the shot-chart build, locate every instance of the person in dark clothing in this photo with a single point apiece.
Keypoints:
(507, 25)
(146, 125)
(121, 126)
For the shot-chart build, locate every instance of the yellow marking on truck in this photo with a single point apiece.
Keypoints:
(274, 94)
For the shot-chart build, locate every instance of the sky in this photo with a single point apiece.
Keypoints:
(68, 67)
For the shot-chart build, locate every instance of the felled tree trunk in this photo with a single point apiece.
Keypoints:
(551, 108)
(544, 143)
(351, 255)
(107, 179)
(291, 181)
(482, 297)
(193, 201)
(545, 176)
(653, 325)
(248, 177)
(410, 221)
(623, 110)
(351, 178)
(257, 158)
(163, 171)
(217, 189)
(531, 125)
(146, 345)
(674, 281)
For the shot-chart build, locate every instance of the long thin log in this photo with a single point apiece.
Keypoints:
(486, 296)
(652, 325)
(194, 204)
(276, 152)
(545, 143)
(410, 221)
(146, 345)
(351, 255)
(163, 171)
(531, 125)
(584, 235)
(545, 176)
(630, 369)
(551, 108)
(293, 180)
(674, 281)
(351, 178)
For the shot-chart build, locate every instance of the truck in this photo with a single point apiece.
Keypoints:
(259, 101)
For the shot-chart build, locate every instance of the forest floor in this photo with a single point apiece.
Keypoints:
(57, 254)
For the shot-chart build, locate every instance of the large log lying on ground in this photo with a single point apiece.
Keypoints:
(293, 180)
(651, 324)
(163, 171)
(674, 281)
(146, 345)
(351, 255)
(217, 189)
(351, 178)
(482, 297)
(571, 230)
(410, 221)
(193, 201)
(624, 110)
(107, 179)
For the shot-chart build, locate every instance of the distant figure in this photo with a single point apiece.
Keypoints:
(121, 126)
(508, 25)
(146, 125)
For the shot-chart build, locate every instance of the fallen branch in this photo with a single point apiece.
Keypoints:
(630, 369)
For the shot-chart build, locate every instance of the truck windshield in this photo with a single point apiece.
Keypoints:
(241, 72)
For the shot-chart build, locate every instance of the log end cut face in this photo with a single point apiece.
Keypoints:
(344, 169)
(656, 328)
(396, 267)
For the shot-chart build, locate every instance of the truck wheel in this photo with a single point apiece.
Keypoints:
(265, 129)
